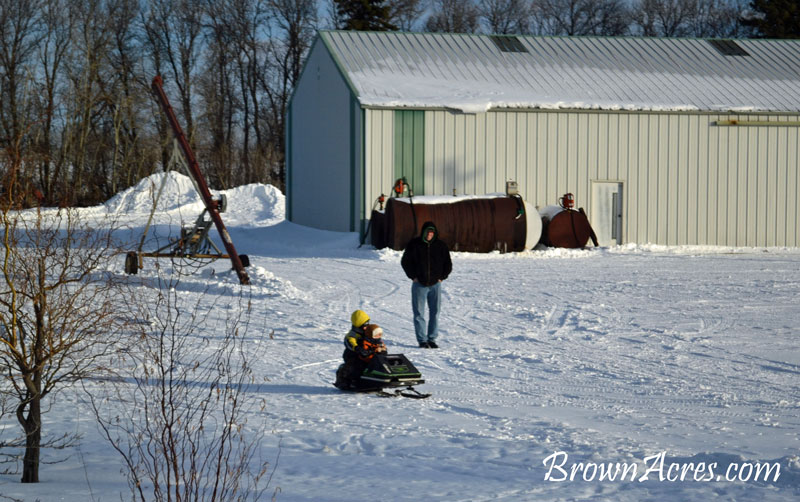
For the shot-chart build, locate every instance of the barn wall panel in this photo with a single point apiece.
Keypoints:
(686, 180)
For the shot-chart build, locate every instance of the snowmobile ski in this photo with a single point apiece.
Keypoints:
(409, 392)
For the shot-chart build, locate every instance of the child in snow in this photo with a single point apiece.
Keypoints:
(361, 343)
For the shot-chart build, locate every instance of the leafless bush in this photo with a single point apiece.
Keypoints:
(179, 412)
(57, 314)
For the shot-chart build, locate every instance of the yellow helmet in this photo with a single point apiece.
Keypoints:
(359, 318)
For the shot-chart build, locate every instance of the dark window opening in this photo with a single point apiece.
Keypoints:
(728, 48)
(508, 44)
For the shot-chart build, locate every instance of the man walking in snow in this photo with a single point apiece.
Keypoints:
(426, 261)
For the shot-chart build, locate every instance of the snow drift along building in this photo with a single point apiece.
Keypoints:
(668, 141)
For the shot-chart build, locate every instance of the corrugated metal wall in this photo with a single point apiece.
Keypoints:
(686, 180)
(320, 154)
(379, 155)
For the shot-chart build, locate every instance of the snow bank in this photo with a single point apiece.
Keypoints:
(254, 205)
(177, 193)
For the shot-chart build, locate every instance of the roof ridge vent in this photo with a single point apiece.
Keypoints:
(728, 47)
(508, 43)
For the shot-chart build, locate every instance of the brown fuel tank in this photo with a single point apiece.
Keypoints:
(473, 224)
(566, 228)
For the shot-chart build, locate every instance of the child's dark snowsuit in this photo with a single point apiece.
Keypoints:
(361, 344)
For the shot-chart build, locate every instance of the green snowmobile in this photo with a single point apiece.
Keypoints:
(393, 371)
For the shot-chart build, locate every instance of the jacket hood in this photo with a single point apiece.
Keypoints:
(428, 225)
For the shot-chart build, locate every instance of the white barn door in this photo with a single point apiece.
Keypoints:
(606, 215)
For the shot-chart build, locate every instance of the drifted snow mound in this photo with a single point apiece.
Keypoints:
(178, 192)
(249, 205)
(255, 205)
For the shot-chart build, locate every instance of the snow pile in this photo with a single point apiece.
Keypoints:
(177, 193)
(254, 205)
(217, 279)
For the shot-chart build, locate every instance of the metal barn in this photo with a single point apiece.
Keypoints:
(664, 141)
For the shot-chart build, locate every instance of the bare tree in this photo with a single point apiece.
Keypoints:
(184, 432)
(20, 35)
(507, 17)
(56, 311)
(581, 17)
(332, 18)
(53, 50)
(296, 21)
(247, 18)
(721, 19)
(454, 16)
(405, 14)
(614, 19)
(665, 18)
(174, 30)
(55, 302)
(124, 87)
(216, 90)
(87, 136)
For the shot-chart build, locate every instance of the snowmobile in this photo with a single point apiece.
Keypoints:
(384, 371)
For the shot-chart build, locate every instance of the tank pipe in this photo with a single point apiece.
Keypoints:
(366, 232)
(411, 200)
(397, 192)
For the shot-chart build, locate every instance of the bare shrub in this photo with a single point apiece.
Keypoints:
(179, 411)
(57, 314)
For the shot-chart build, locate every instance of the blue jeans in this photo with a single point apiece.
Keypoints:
(419, 296)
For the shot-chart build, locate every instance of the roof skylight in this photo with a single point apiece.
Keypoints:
(508, 43)
(728, 47)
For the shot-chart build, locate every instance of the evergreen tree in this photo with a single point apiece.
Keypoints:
(364, 15)
(775, 18)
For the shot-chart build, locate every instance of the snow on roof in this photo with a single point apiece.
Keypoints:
(475, 73)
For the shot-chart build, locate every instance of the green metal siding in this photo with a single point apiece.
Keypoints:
(409, 148)
(688, 180)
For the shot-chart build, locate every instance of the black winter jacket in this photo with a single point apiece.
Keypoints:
(427, 262)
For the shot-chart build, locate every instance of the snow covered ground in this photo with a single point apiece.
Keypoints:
(556, 364)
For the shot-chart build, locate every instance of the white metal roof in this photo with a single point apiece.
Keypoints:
(471, 73)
